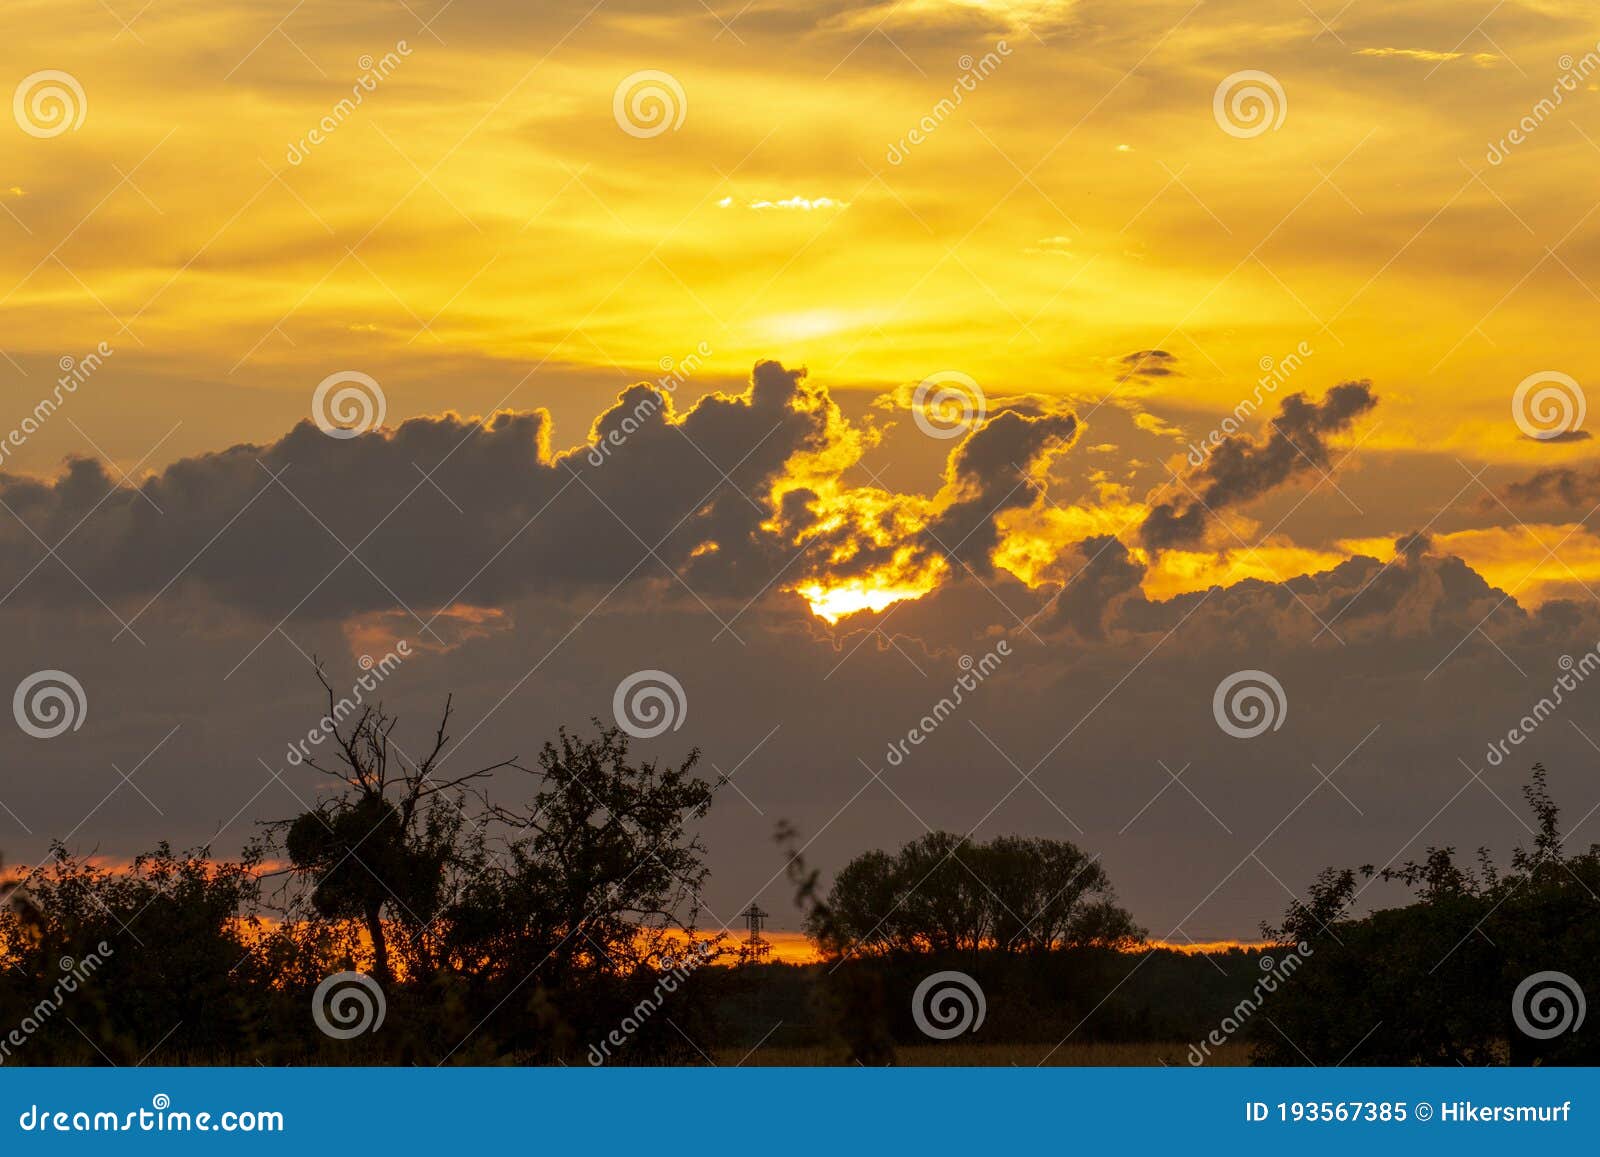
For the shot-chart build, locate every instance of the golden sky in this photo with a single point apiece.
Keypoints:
(479, 231)
(1120, 223)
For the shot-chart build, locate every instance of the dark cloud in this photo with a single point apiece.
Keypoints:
(1392, 670)
(445, 510)
(1241, 469)
(1148, 364)
(1080, 718)
(1418, 595)
(438, 510)
(1000, 466)
(1559, 485)
(1104, 577)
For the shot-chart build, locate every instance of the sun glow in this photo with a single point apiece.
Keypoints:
(833, 603)
(811, 323)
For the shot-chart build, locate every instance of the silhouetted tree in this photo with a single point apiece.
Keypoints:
(598, 877)
(1048, 894)
(600, 851)
(167, 950)
(853, 1000)
(383, 850)
(1433, 982)
(496, 929)
(944, 893)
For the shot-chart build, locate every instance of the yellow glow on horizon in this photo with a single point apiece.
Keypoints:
(1517, 559)
(798, 948)
(1176, 572)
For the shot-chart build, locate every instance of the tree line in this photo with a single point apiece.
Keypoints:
(493, 928)
(1484, 966)
(946, 893)
(528, 925)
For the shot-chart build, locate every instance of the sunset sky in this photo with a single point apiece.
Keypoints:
(1052, 208)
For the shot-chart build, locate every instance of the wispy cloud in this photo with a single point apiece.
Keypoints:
(1432, 56)
(789, 204)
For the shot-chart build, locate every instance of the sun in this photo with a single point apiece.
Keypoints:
(833, 602)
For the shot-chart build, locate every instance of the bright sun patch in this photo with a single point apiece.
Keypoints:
(833, 603)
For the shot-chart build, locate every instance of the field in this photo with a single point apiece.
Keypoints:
(1151, 1053)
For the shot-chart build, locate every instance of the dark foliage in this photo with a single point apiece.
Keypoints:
(945, 893)
(1433, 982)
(558, 925)
(861, 1009)
(495, 931)
(889, 920)
(113, 963)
